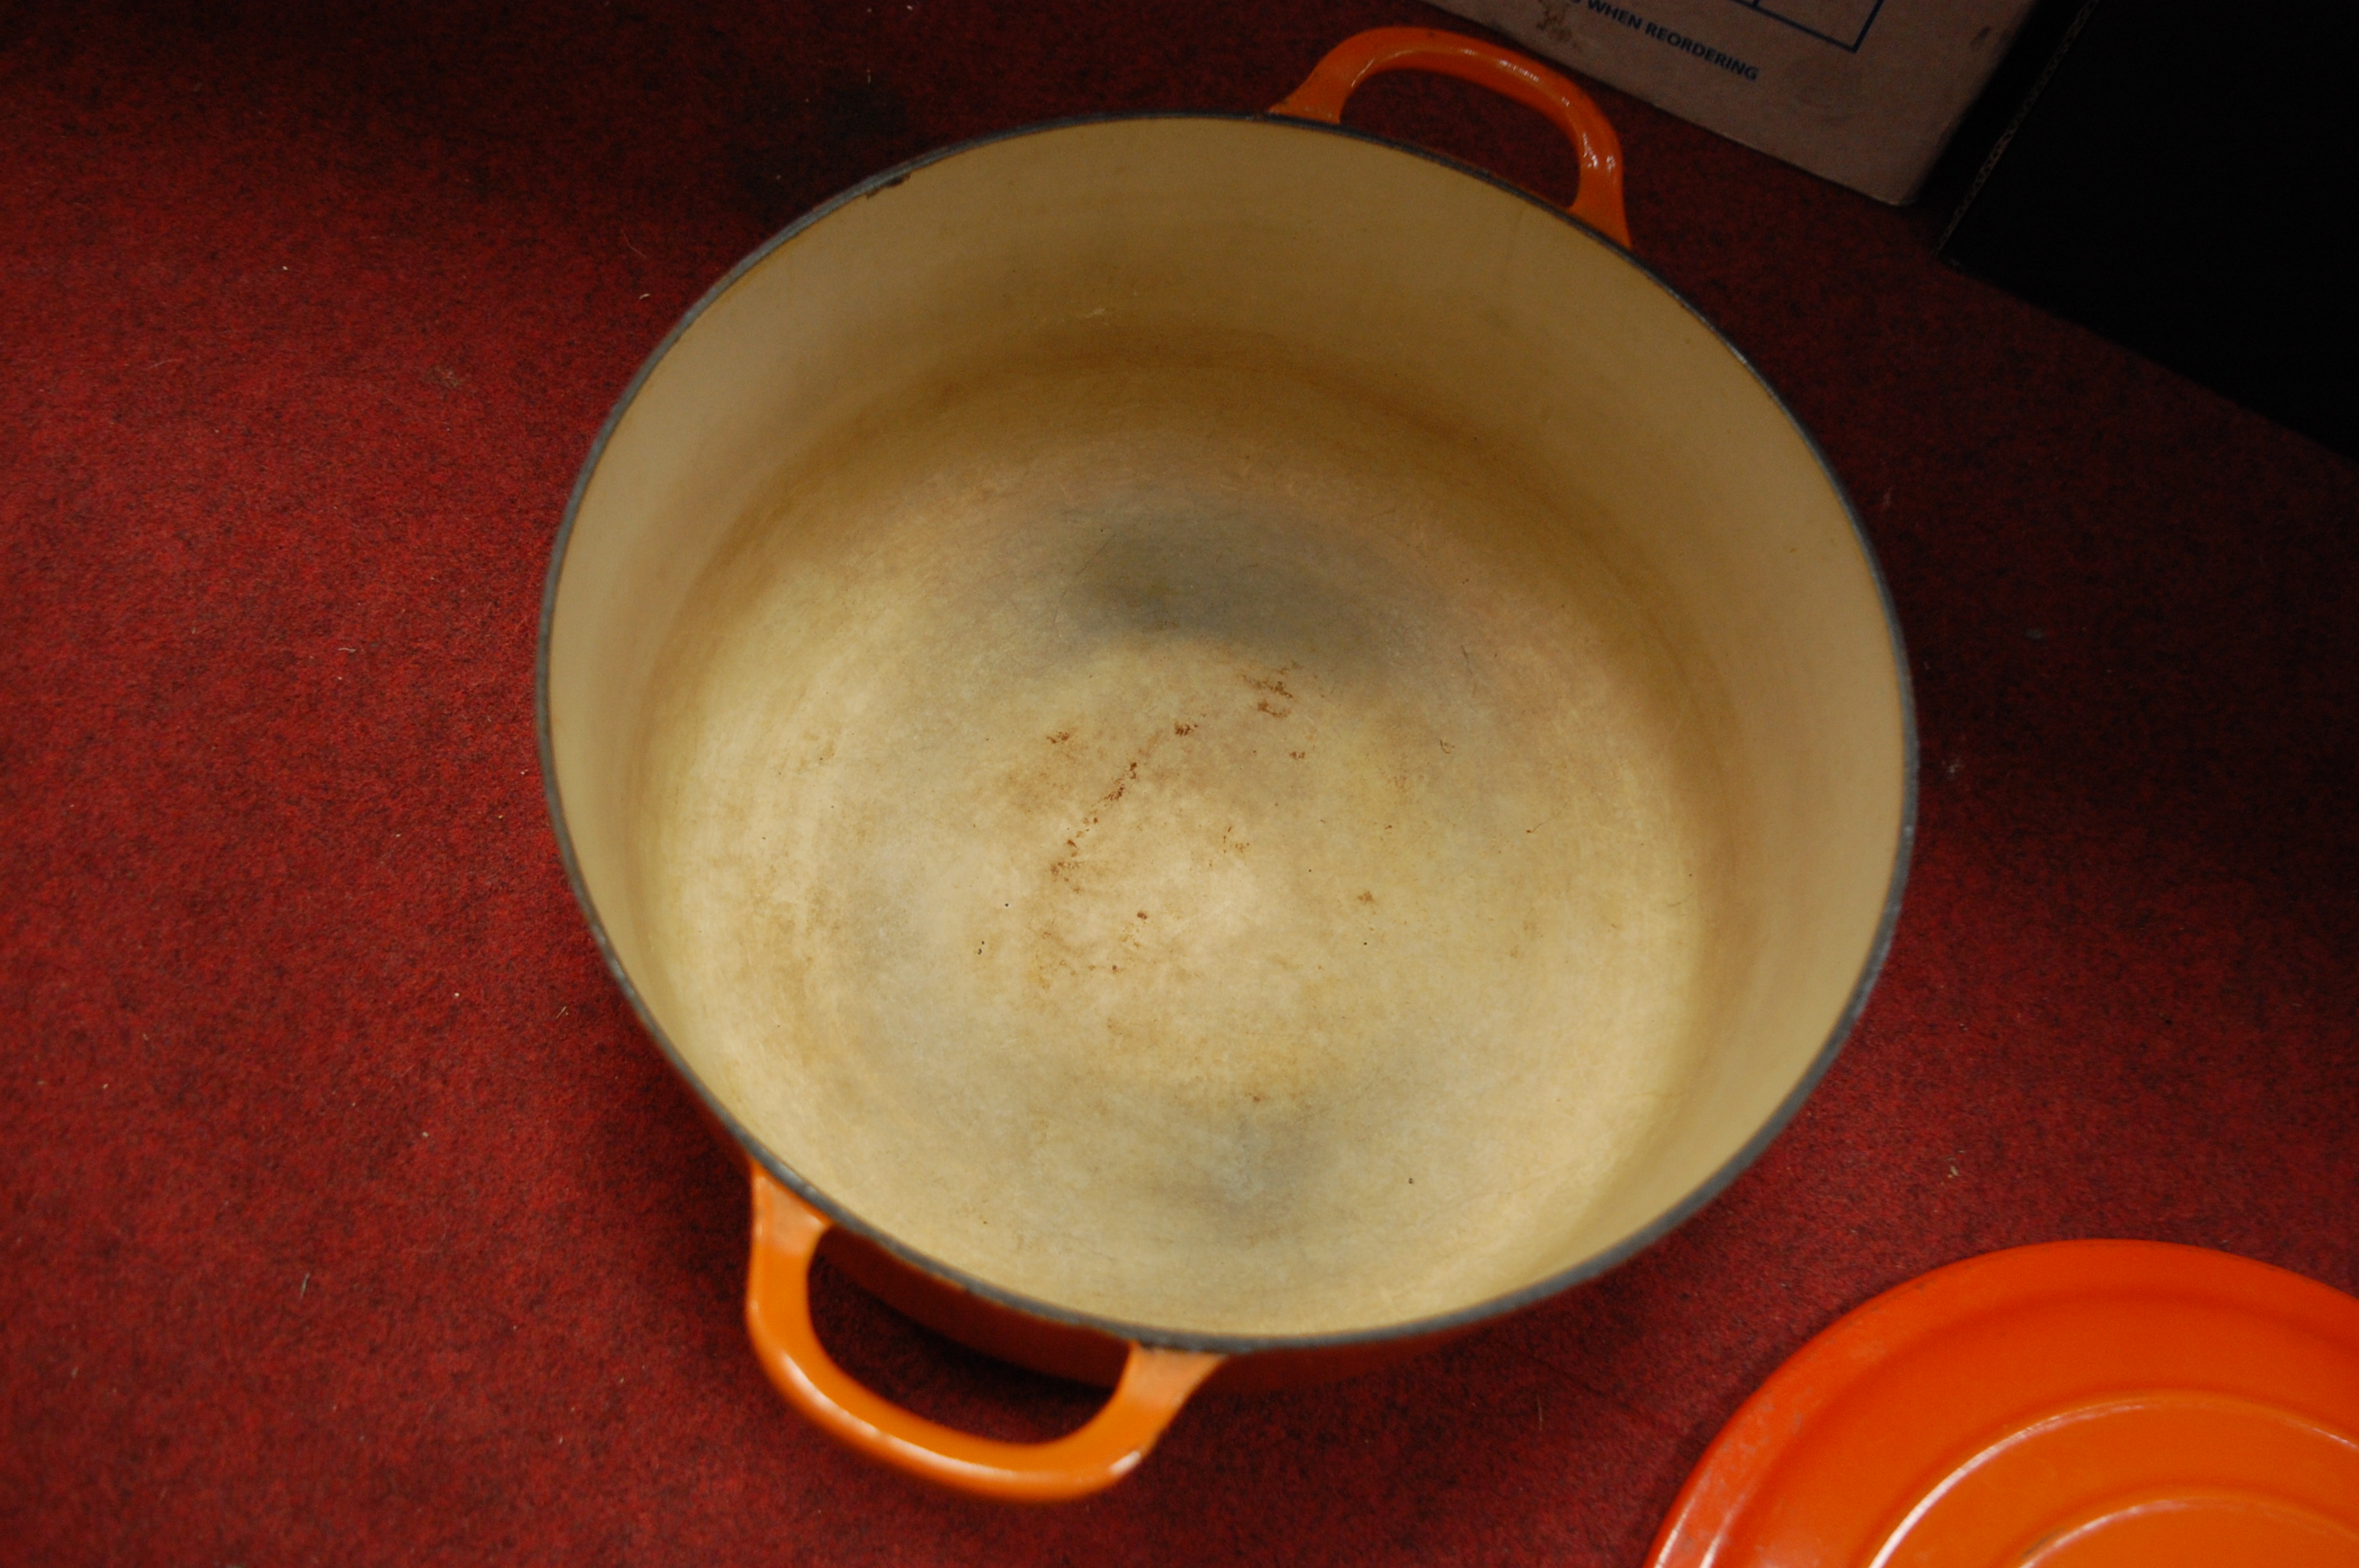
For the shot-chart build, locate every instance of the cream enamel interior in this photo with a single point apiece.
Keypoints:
(1222, 727)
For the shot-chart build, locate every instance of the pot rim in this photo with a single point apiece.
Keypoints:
(1234, 1344)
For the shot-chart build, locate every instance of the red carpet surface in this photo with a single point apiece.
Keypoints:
(346, 1217)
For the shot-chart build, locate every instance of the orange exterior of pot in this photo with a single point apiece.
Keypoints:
(1598, 202)
(1150, 1383)
(1154, 1384)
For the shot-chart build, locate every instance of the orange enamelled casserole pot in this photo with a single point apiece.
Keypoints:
(1223, 748)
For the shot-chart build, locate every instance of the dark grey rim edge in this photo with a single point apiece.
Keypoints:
(1235, 1343)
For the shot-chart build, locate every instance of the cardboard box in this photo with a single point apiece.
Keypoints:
(1865, 92)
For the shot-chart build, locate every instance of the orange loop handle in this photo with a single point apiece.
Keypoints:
(1155, 1384)
(1598, 203)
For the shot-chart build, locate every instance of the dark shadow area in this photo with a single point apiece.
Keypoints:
(938, 1378)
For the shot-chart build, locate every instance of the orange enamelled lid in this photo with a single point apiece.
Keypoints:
(2081, 1404)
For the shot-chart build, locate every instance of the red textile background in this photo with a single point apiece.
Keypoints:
(346, 1217)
